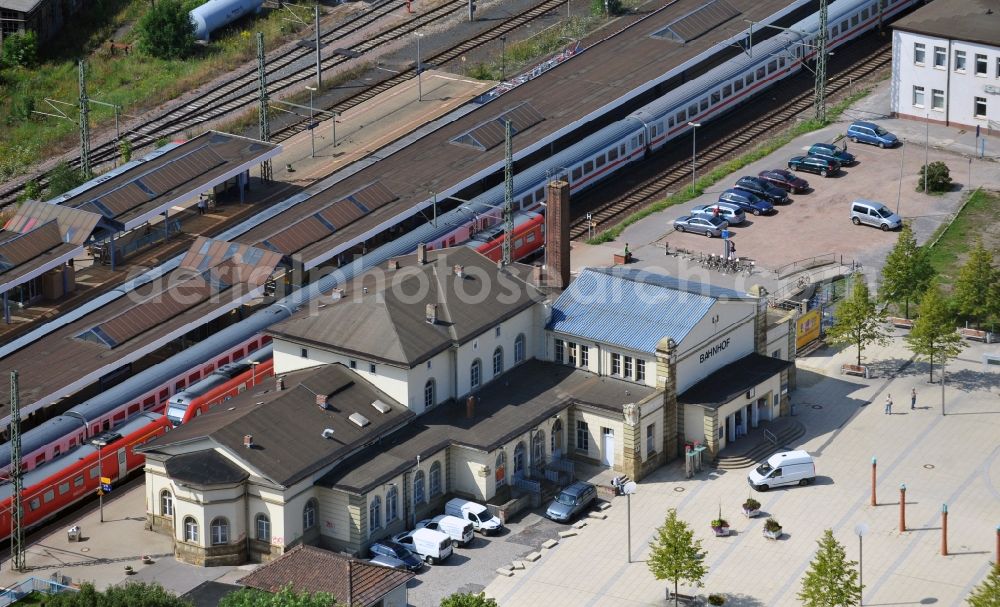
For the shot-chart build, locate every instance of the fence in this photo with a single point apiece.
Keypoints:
(560, 470)
(12, 594)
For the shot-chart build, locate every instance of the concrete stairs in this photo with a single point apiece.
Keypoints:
(784, 429)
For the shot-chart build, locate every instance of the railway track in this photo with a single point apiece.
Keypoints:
(657, 187)
(295, 67)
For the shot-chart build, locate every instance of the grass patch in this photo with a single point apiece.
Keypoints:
(32, 598)
(952, 241)
(135, 82)
(717, 174)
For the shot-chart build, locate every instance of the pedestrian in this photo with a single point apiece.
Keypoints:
(201, 206)
(715, 210)
(913, 398)
(888, 404)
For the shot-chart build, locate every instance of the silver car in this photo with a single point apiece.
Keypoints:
(869, 212)
(571, 501)
(730, 212)
(709, 225)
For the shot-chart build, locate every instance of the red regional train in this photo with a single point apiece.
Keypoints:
(226, 382)
(529, 237)
(52, 487)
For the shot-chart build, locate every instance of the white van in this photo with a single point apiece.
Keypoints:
(477, 514)
(788, 468)
(458, 530)
(432, 546)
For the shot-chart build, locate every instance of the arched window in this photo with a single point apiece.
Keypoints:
(220, 531)
(435, 479)
(501, 471)
(391, 504)
(519, 459)
(475, 374)
(556, 440)
(263, 526)
(519, 349)
(191, 533)
(309, 514)
(497, 361)
(418, 487)
(429, 396)
(538, 449)
(375, 514)
(166, 503)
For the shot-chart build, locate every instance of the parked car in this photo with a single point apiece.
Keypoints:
(432, 546)
(876, 214)
(708, 225)
(388, 561)
(747, 201)
(871, 133)
(477, 514)
(729, 212)
(788, 468)
(762, 189)
(395, 550)
(785, 180)
(458, 530)
(571, 501)
(828, 150)
(814, 164)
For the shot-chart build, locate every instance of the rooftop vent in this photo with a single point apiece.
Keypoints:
(393, 264)
(459, 270)
(359, 420)
(248, 441)
(280, 383)
(381, 407)
(431, 313)
(328, 433)
(421, 254)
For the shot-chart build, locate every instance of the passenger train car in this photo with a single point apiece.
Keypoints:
(49, 488)
(226, 382)
(651, 127)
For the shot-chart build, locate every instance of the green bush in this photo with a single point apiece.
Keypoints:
(32, 191)
(938, 177)
(20, 50)
(600, 7)
(166, 31)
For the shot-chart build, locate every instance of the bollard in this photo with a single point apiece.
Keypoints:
(902, 507)
(944, 529)
(996, 561)
(874, 467)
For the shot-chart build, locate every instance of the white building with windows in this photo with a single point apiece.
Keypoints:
(946, 64)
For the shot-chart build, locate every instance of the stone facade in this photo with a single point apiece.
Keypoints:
(673, 415)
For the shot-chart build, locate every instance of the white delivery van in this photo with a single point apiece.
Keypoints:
(460, 531)
(432, 546)
(788, 468)
(477, 514)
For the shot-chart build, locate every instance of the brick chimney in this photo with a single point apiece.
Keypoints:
(431, 313)
(421, 254)
(459, 270)
(557, 234)
(321, 401)
(470, 407)
(394, 265)
(248, 441)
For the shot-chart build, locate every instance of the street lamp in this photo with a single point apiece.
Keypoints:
(861, 529)
(694, 152)
(420, 92)
(899, 190)
(927, 145)
(503, 57)
(312, 127)
(100, 476)
(253, 372)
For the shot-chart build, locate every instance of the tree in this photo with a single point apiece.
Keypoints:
(125, 150)
(974, 288)
(601, 8)
(468, 600)
(675, 555)
(987, 594)
(166, 31)
(858, 320)
(63, 178)
(20, 50)
(933, 336)
(907, 271)
(286, 597)
(127, 595)
(938, 177)
(32, 191)
(832, 580)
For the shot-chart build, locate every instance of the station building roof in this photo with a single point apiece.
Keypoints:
(967, 20)
(167, 178)
(214, 278)
(732, 380)
(39, 237)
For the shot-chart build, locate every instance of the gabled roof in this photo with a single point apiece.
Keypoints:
(384, 314)
(206, 467)
(309, 569)
(967, 20)
(634, 309)
(287, 425)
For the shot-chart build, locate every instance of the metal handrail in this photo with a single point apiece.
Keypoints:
(770, 436)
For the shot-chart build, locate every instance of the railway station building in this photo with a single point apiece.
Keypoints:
(946, 65)
(442, 374)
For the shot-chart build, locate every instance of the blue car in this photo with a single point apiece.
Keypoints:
(828, 150)
(397, 551)
(748, 202)
(872, 134)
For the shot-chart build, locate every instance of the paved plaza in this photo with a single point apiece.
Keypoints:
(952, 460)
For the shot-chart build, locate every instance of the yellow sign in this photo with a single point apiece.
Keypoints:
(105, 480)
(807, 328)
